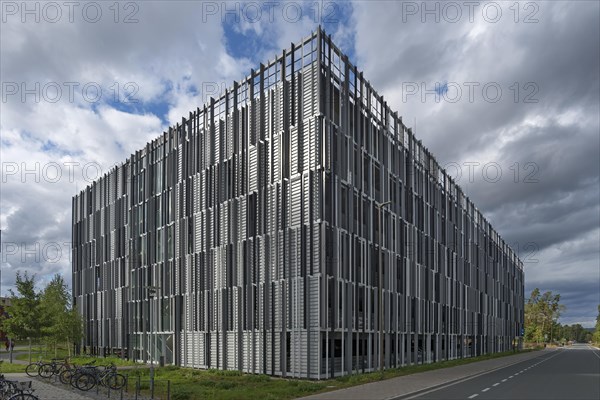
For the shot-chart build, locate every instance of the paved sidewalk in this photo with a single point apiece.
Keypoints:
(5, 356)
(405, 385)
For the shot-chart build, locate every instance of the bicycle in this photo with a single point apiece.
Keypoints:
(13, 390)
(33, 369)
(68, 374)
(107, 377)
(47, 370)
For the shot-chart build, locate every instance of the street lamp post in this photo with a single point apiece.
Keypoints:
(380, 262)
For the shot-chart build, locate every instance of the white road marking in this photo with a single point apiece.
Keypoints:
(477, 375)
(496, 384)
(510, 377)
(485, 390)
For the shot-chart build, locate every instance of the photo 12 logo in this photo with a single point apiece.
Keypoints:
(37, 252)
(453, 12)
(269, 11)
(492, 172)
(53, 12)
(454, 92)
(50, 172)
(212, 89)
(53, 92)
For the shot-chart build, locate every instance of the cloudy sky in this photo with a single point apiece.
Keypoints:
(505, 94)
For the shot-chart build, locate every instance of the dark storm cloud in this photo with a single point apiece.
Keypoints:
(559, 55)
(555, 195)
(553, 134)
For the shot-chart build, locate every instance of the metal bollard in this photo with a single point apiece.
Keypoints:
(137, 387)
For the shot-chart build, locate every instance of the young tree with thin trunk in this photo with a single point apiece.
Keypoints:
(23, 319)
(55, 303)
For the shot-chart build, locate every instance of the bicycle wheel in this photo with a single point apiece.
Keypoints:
(59, 370)
(74, 376)
(115, 381)
(65, 376)
(46, 370)
(23, 396)
(85, 382)
(32, 369)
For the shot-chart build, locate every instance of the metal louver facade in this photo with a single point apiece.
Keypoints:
(247, 237)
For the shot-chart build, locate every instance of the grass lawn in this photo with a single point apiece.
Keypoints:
(7, 368)
(192, 384)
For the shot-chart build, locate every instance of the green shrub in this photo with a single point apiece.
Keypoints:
(257, 378)
(181, 393)
(221, 372)
(308, 387)
(225, 385)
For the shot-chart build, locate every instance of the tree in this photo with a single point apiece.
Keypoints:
(23, 314)
(71, 328)
(576, 332)
(55, 303)
(48, 315)
(541, 312)
(596, 337)
(62, 323)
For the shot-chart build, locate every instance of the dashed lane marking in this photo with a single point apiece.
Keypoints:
(510, 377)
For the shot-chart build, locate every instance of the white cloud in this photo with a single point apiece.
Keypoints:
(175, 52)
(167, 53)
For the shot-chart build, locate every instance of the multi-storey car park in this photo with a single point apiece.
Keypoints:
(256, 236)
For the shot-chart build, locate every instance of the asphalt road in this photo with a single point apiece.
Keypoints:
(566, 373)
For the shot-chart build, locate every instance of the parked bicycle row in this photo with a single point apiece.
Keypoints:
(15, 390)
(82, 377)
